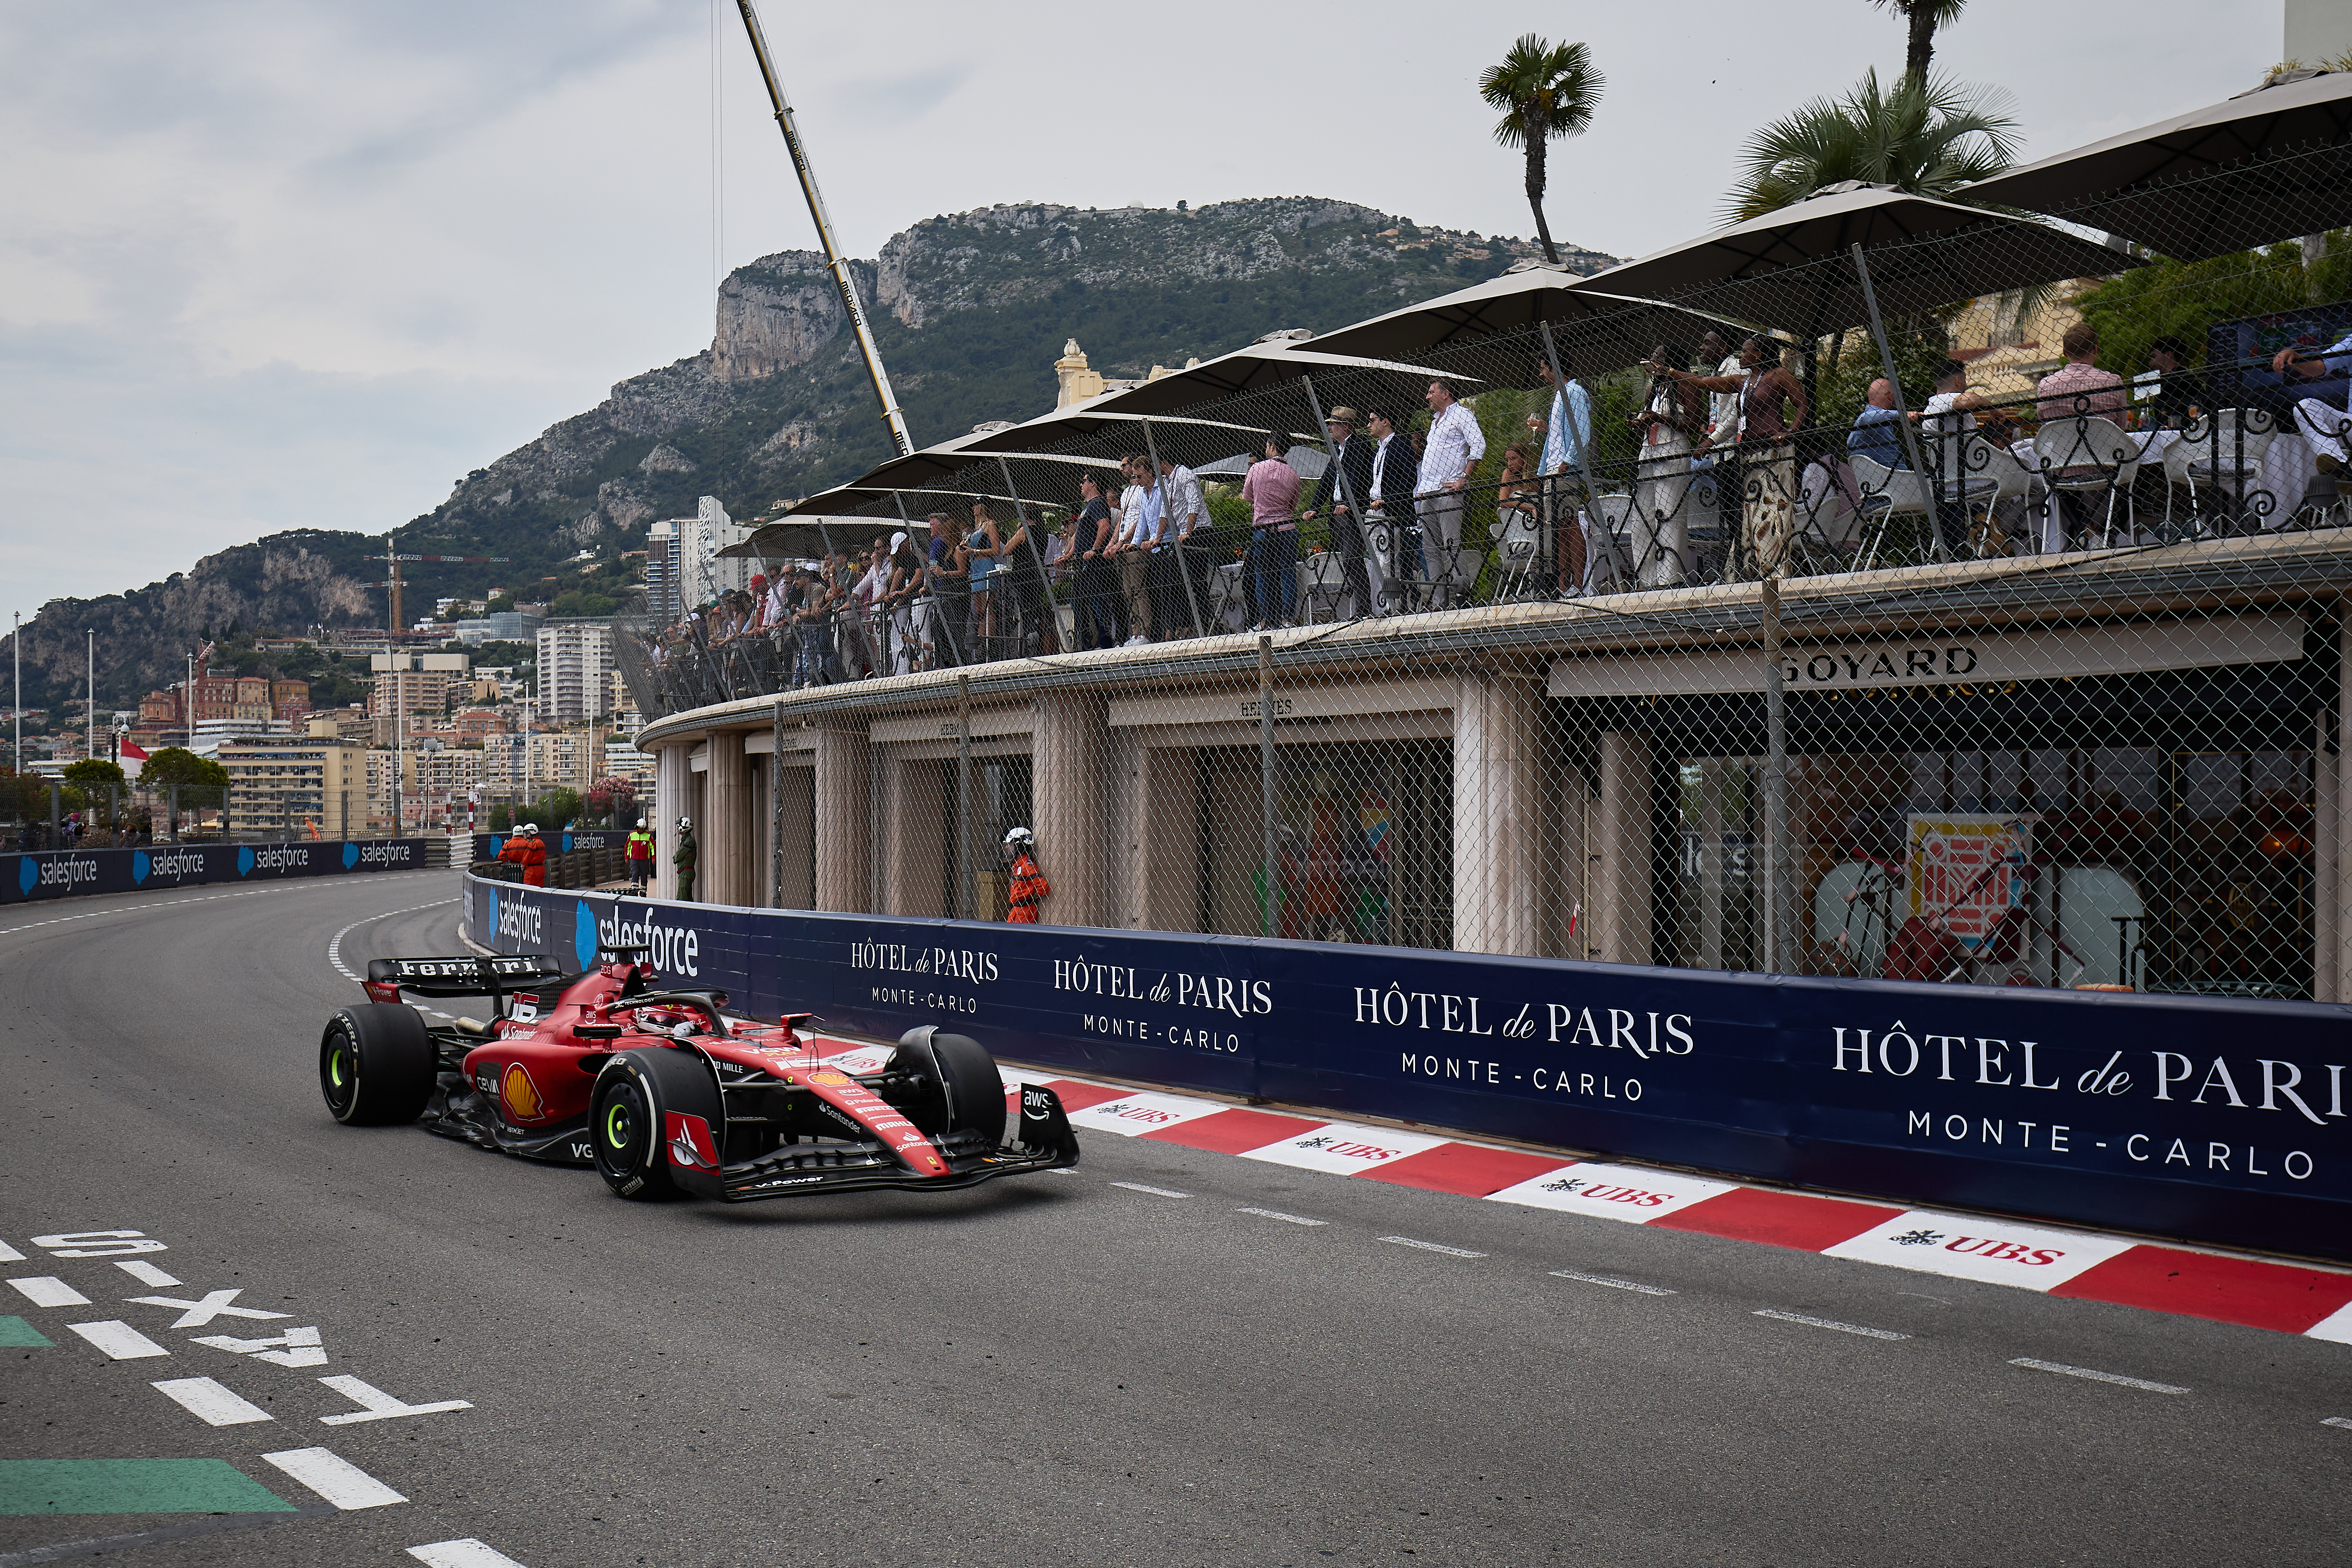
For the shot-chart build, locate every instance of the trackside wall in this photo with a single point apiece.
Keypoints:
(2217, 1121)
(34, 878)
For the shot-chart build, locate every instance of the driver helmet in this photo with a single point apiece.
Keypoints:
(1020, 838)
(685, 823)
(666, 1020)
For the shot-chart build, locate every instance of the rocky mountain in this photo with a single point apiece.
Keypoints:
(969, 310)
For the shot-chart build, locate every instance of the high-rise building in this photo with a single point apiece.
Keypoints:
(662, 601)
(703, 573)
(575, 670)
(295, 786)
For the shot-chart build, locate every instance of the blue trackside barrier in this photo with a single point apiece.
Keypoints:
(488, 844)
(2219, 1121)
(63, 873)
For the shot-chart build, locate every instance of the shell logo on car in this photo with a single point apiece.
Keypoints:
(521, 1095)
(831, 1080)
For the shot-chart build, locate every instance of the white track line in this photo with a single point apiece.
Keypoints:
(2116, 1377)
(204, 898)
(2333, 1421)
(1612, 1284)
(1433, 1247)
(466, 1553)
(1829, 1324)
(47, 1290)
(118, 1340)
(334, 1478)
(9, 1254)
(210, 1403)
(1286, 1218)
(335, 942)
(1155, 1192)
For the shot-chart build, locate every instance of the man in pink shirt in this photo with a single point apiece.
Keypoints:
(1271, 487)
(2080, 386)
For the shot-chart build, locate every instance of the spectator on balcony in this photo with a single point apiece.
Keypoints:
(985, 551)
(1139, 532)
(1183, 560)
(908, 609)
(1946, 422)
(808, 626)
(1567, 436)
(1396, 480)
(1101, 613)
(1772, 406)
(2171, 402)
(951, 571)
(1456, 446)
(2079, 387)
(1340, 496)
(2325, 426)
(1672, 421)
(1877, 432)
(1721, 437)
(1271, 487)
(1020, 587)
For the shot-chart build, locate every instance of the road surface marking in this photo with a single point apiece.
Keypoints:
(1612, 1284)
(9, 1254)
(335, 942)
(128, 1486)
(466, 1553)
(210, 1403)
(295, 1347)
(1286, 1218)
(2333, 1421)
(146, 1273)
(1829, 1324)
(46, 1290)
(16, 1334)
(2139, 1383)
(380, 1407)
(215, 1304)
(1155, 1192)
(1431, 1247)
(118, 1340)
(334, 1478)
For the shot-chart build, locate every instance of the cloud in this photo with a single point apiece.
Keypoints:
(271, 264)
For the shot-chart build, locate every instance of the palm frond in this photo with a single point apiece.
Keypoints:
(1928, 138)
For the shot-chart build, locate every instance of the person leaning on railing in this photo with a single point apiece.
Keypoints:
(1138, 530)
(906, 609)
(1021, 589)
(1180, 556)
(1352, 461)
(1101, 615)
(1672, 419)
(1565, 431)
(1271, 487)
(1396, 478)
(1772, 405)
(983, 549)
(1456, 446)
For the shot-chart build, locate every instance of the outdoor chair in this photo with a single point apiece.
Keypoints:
(2082, 454)
(1609, 544)
(1518, 542)
(2224, 453)
(1321, 581)
(1888, 494)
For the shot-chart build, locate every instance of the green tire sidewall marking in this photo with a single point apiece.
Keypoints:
(616, 1125)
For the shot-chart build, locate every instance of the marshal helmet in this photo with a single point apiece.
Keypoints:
(1020, 837)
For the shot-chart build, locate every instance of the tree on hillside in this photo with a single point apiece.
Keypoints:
(1923, 136)
(1546, 92)
(1922, 20)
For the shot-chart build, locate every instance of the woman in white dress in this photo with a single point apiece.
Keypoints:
(1668, 427)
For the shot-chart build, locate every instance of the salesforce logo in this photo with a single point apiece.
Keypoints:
(351, 855)
(676, 950)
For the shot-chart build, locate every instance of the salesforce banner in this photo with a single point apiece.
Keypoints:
(2218, 1120)
(27, 879)
(488, 844)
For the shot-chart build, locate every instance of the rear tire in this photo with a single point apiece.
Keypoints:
(375, 1065)
(964, 1076)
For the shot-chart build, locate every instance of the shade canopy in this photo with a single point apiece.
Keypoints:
(1792, 269)
(804, 537)
(1596, 330)
(2265, 165)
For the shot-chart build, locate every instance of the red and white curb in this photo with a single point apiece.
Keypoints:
(2289, 1298)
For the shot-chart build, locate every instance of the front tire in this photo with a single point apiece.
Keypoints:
(375, 1065)
(963, 1076)
(628, 1118)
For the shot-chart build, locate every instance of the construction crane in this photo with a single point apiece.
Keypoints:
(393, 560)
(891, 415)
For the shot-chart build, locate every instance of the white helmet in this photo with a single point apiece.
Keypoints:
(530, 827)
(685, 823)
(1021, 836)
(641, 822)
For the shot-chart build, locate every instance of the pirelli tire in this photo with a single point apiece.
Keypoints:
(629, 1115)
(375, 1065)
(964, 1077)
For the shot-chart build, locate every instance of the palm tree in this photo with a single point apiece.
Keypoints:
(1924, 136)
(1544, 91)
(1922, 19)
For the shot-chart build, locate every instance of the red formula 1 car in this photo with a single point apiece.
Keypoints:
(672, 1092)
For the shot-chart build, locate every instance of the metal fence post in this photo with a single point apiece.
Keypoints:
(776, 815)
(1265, 780)
(53, 814)
(963, 907)
(1777, 869)
(176, 814)
(1932, 485)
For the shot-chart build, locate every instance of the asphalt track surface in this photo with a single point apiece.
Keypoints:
(1059, 1370)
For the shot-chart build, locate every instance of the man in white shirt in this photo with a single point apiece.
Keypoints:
(1179, 555)
(1455, 444)
(1567, 434)
(1138, 530)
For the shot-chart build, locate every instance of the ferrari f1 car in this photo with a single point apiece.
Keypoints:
(669, 1092)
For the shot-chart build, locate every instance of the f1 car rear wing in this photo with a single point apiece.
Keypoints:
(468, 976)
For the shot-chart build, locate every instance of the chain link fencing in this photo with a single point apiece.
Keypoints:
(1763, 626)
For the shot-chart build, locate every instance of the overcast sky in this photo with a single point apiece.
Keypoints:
(266, 265)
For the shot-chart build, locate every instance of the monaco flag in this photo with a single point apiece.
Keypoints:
(132, 759)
